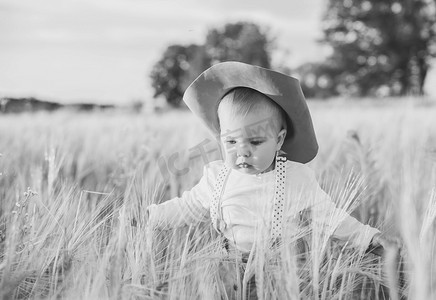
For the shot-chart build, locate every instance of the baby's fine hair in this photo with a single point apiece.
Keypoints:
(242, 101)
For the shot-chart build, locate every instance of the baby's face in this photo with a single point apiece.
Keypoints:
(250, 142)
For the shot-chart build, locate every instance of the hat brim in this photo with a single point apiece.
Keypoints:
(205, 92)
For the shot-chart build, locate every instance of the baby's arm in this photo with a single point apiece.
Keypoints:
(343, 226)
(336, 220)
(191, 208)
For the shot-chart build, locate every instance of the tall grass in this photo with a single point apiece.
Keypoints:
(74, 190)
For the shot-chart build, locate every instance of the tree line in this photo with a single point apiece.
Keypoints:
(21, 105)
(378, 48)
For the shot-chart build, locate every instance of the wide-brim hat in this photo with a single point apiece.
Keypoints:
(205, 92)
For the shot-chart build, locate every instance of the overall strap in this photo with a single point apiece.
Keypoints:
(215, 205)
(279, 198)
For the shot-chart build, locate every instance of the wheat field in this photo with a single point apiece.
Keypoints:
(74, 188)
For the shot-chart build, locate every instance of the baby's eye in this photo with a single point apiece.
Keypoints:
(231, 142)
(256, 143)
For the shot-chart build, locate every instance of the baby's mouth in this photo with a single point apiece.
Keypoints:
(244, 165)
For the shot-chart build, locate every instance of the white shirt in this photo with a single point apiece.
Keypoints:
(247, 203)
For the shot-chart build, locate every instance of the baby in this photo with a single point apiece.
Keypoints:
(267, 136)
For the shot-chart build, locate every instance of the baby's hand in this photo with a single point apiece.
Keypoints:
(380, 244)
(389, 250)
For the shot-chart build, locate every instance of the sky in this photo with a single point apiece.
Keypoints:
(103, 50)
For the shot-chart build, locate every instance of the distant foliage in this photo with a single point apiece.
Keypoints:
(21, 105)
(179, 65)
(244, 42)
(380, 47)
(171, 74)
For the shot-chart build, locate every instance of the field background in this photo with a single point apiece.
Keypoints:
(74, 188)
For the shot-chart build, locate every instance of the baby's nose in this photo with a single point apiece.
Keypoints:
(243, 151)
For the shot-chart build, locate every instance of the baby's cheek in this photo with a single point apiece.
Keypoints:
(228, 156)
(230, 151)
(231, 157)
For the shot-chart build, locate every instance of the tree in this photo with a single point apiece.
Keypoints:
(170, 76)
(317, 80)
(380, 46)
(244, 42)
(179, 65)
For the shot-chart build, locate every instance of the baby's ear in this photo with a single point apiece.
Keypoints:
(281, 138)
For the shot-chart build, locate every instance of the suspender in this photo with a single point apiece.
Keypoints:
(279, 196)
(215, 205)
